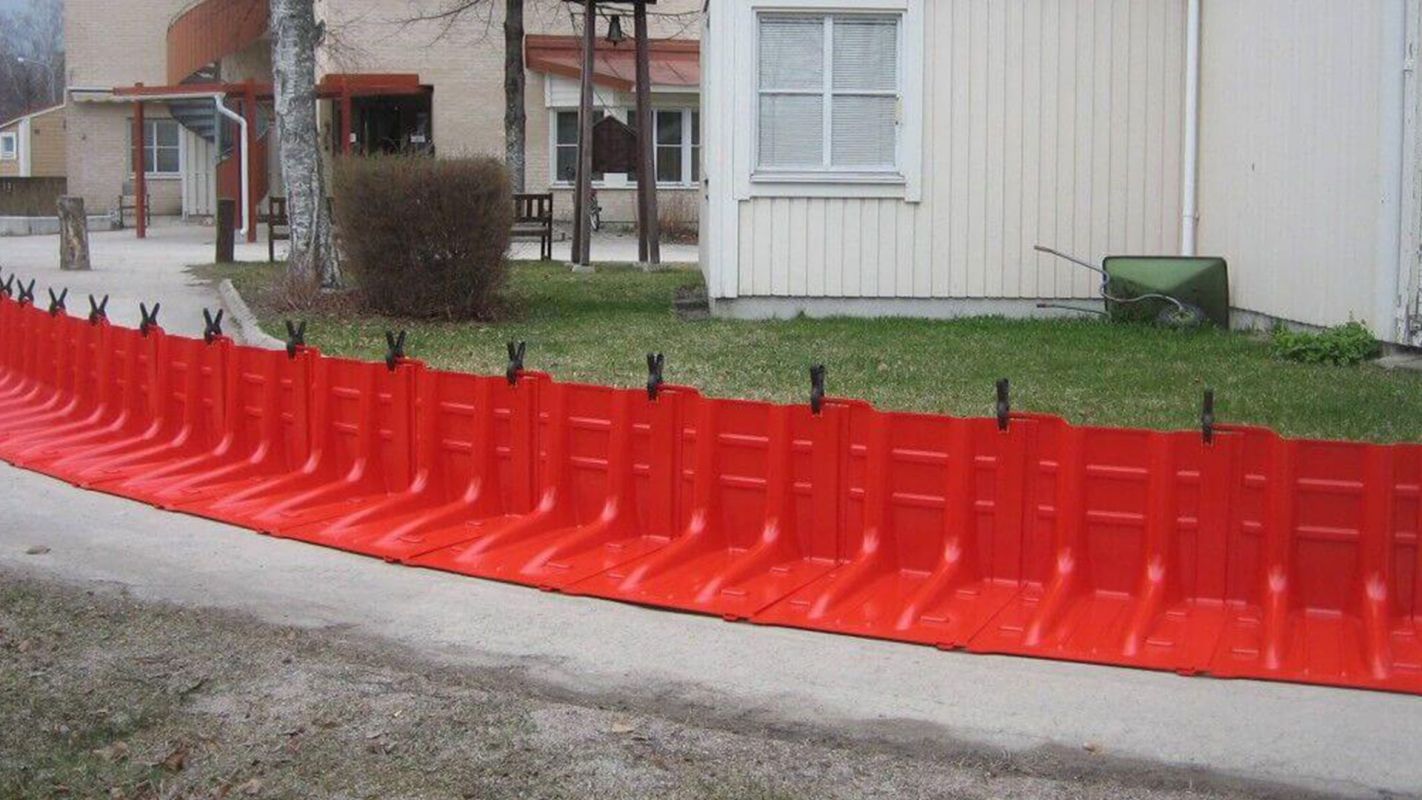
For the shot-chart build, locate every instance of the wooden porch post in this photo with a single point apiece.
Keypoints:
(649, 249)
(582, 201)
(140, 174)
(347, 125)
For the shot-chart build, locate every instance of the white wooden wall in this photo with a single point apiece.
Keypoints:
(1292, 178)
(199, 176)
(1045, 121)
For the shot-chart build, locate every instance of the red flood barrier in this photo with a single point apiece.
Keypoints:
(1228, 551)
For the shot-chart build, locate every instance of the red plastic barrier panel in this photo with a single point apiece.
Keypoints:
(1236, 553)
(474, 462)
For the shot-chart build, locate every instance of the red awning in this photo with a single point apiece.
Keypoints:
(674, 62)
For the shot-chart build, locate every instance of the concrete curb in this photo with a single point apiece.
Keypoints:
(244, 323)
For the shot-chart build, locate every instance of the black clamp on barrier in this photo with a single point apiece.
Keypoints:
(1004, 403)
(98, 310)
(817, 388)
(394, 349)
(212, 325)
(56, 301)
(295, 337)
(516, 351)
(655, 363)
(150, 318)
(8, 287)
(27, 293)
(1207, 417)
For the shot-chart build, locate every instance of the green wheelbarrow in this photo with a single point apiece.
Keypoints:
(1175, 291)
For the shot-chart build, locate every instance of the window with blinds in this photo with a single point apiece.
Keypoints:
(829, 92)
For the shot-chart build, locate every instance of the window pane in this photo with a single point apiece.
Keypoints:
(166, 160)
(167, 134)
(866, 54)
(696, 127)
(695, 164)
(567, 127)
(862, 131)
(567, 166)
(790, 130)
(792, 53)
(669, 164)
(669, 127)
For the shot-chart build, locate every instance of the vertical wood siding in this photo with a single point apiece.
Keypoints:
(1290, 184)
(1045, 121)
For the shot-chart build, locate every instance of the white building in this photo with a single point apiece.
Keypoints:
(879, 157)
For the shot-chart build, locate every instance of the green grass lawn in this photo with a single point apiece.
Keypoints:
(599, 327)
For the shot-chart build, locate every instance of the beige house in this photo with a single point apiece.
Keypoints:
(32, 145)
(193, 80)
(877, 157)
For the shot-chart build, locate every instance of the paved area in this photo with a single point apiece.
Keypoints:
(1347, 743)
(131, 271)
(607, 247)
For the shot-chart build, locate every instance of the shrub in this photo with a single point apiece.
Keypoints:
(1346, 344)
(425, 237)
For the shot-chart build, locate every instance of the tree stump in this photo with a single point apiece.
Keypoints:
(226, 230)
(73, 234)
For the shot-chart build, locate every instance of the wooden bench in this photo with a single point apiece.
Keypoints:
(533, 219)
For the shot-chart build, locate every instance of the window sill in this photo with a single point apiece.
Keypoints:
(828, 184)
(162, 176)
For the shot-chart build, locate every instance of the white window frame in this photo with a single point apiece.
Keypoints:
(9, 146)
(902, 182)
(688, 123)
(149, 163)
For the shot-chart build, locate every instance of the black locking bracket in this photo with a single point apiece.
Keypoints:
(1004, 403)
(1207, 417)
(516, 353)
(56, 301)
(656, 362)
(98, 310)
(817, 388)
(8, 287)
(150, 318)
(394, 349)
(295, 337)
(212, 325)
(27, 293)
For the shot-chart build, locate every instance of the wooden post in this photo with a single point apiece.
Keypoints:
(649, 248)
(226, 233)
(73, 234)
(140, 174)
(582, 201)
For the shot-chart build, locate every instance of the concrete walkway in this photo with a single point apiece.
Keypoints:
(1343, 742)
(130, 270)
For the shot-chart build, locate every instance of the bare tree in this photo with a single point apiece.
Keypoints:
(31, 57)
(295, 37)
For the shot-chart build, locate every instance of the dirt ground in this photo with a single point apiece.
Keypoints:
(103, 696)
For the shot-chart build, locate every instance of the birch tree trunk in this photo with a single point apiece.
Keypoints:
(295, 36)
(514, 117)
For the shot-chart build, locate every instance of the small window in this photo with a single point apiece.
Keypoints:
(678, 137)
(565, 145)
(161, 148)
(829, 93)
(9, 147)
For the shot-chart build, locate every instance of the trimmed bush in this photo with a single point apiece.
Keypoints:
(425, 237)
(1343, 345)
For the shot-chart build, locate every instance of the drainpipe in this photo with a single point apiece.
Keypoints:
(219, 101)
(1190, 191)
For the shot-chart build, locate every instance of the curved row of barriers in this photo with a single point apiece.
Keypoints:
(1230, 551)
